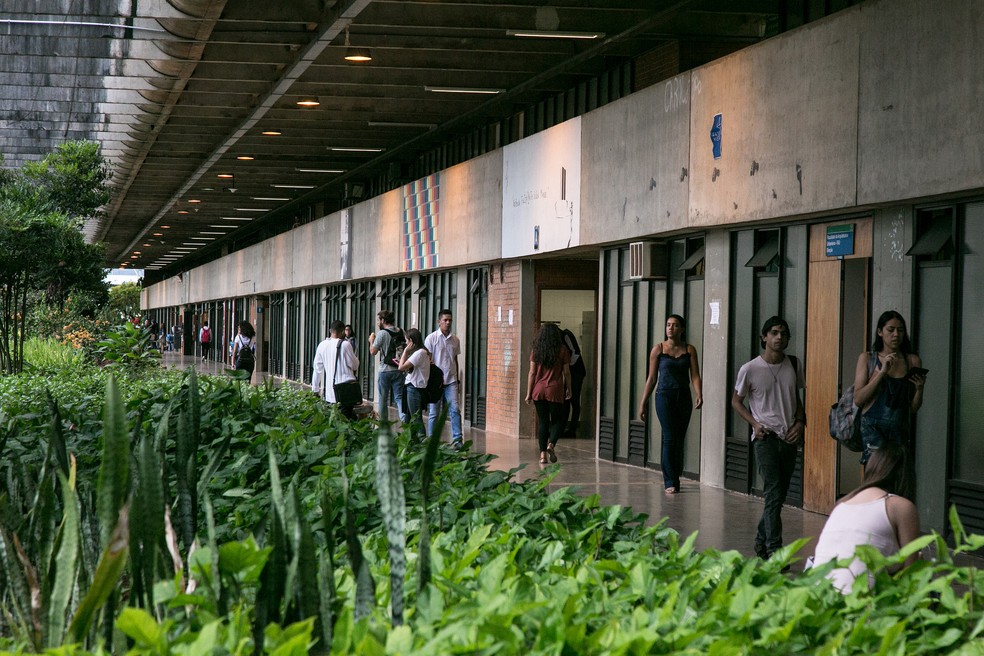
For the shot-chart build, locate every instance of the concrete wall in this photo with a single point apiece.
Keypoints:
(789, 138)
(634, 164)
(714, 363)
(922, 78)
(471, 211)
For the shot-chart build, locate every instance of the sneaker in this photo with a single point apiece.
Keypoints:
(457, 445)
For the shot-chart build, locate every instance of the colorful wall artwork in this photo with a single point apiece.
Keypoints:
(421, 214)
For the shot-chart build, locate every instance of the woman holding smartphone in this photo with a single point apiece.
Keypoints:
(888, 385)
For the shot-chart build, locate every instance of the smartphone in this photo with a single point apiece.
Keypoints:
(917, 371)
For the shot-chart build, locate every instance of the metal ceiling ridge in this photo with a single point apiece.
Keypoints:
(304, 61)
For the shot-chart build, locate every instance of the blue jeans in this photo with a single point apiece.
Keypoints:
(450, 393)
(776, 461)
(673, 407)
(415, 404)
(390, 387)
(875, 431)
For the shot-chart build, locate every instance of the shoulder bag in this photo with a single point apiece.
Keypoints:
(347, 394)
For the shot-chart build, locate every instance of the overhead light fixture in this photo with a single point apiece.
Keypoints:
(267, 198)
(158, 234)
(245, 158)
(293, 186)
(182, 211)
(236, 218)
(249, 209)
(475, 90)
(194, 200)
(206, 238)
(165, 227)
(358, 55)
(401, 124)
(555, 34)
(225, 176)
(208, 232)
(319, 171)
(192, 243)
(223, 226)
(271, 133)
(356, 150)
(146, 245)
(137, 252)
(308, 102)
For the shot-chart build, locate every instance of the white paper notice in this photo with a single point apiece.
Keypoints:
(715, 312)
(498, 313)
(510, 316)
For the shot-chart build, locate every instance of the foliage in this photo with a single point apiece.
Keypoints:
(123, 303)
(128, 345)
(49, 354)
(295, 516)
(44, 257)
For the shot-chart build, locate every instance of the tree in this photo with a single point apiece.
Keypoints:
(124, 302)
(42, 207)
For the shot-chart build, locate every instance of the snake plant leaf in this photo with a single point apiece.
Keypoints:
(64, 574)
(147, 526)
(392, 503)
(426, 477)
(104, 581)
(114, 471)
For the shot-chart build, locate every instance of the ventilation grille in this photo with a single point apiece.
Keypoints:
(647, 261)
(637, 443)
(736, 460)
(606, 438)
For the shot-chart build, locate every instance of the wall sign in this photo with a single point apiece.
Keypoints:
(840, 240)
(716, 136)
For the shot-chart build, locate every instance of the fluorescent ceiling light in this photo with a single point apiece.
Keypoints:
(250, 209)
(206, 232)
(477, 90)
(183, 250)
(357, 150)
(267, 198)
(225, 176)
(236, 218)
(308, 102)
(554, 34)
(222, 226)
(293, 186)
(319, 171)
(271, 133)
(245, 158)
(192, 243)
(401, 124)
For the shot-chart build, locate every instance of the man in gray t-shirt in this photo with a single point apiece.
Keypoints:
(771, 384)
(390, 380)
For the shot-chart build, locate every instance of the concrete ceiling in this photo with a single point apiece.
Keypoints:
(179, 91)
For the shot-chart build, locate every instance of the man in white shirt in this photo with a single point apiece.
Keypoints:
(771, 383)
(445, 349)
(342, 363)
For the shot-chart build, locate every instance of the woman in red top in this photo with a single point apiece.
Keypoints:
(548, 386)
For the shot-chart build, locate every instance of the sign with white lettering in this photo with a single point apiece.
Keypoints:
(840, 240)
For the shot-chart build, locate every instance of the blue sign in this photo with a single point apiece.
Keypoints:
(716, 136)
(840, 240)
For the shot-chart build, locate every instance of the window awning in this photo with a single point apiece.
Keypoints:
(765, 253)
(693, 260)
(933, 239)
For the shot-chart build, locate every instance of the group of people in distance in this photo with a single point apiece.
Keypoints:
(405, 358)
(888, 389)
(242, 351)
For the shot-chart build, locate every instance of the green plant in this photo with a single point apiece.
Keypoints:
(49, 354)
(128, 345)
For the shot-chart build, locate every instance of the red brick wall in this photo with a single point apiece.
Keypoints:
(505, 369)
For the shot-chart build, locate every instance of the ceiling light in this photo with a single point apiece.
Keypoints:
(267, 198)
(477, 90)
(205, 238)
(158, 234)
(401, 124)
(223, 226)
(308, 102)
(271, 133)
(319, 170)
(245, 158)
(553, 34)
(208, 188)
(226, 175)
(206, 232)
(192, 243)
(293, 186)
(146, 245)
(165, 227)
(250, 209)
(358, 55)
(194, 200)
(182, 211)
(356, 150)
(133, 257)
(236, 218)
(137, 252)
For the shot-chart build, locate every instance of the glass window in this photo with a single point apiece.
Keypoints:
(968, 460)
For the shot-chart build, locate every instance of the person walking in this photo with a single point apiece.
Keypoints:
(389, 343)
(415, 362)
(445, 348)
(548, 385)
(205, 339)
(336, 355)
(888, 385)
(673, 368)
(771, 384)
(879, 512)
(572, 407)
(244, 348)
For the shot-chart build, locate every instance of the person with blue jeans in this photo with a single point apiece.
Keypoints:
(415, 362)
(673, 366)
(390, 382)
(771, 384)
(445, 348)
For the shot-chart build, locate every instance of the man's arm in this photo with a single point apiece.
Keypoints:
(738, 403)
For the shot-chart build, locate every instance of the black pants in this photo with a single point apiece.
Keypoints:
(550, 422)
(572, 407)
(776, 461)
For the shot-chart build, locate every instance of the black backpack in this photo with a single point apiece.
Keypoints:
(394, 349)
(434, 391)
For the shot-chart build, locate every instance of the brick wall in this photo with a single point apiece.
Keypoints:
(505, 370)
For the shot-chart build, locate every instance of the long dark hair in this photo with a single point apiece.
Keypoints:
(546, 344)
(415, 339)
(889, 468)
(877, 344)
(246, 329)
(683, 327)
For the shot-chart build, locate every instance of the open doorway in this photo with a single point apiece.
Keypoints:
(853, 340)
(575, 310)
